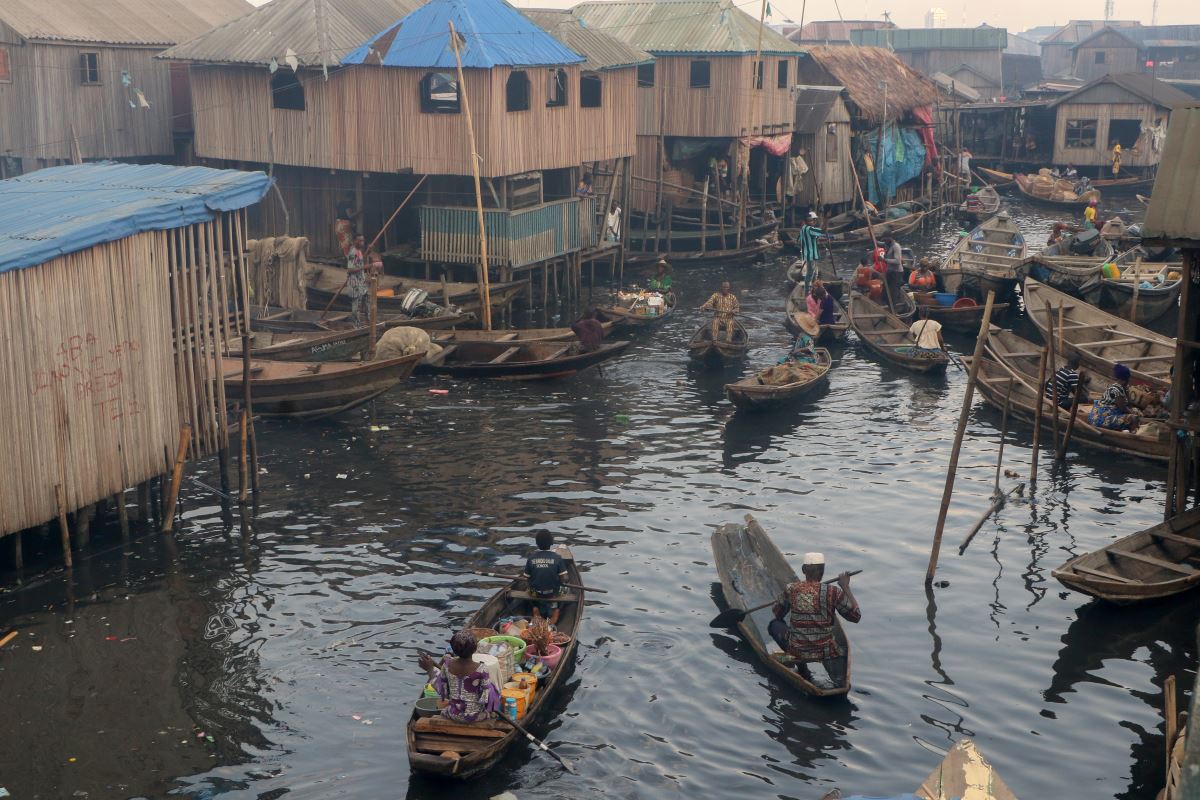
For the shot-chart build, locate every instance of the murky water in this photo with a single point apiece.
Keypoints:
(281, 660)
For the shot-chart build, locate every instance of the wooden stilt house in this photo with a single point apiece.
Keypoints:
(120, 285)
(714, 122)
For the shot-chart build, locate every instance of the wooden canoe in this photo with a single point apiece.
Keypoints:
(1128, 184)
(885, 334)
(980, 206)
(752, 394)
(1158, 562)
(752, 571)
(704, 350)
(305, 345)
(329, 278)
(797, 303)
(964, 773)
(862, 236)
(312, 390)
(1059, 266)
(513, 335)
(826, 273)
(999, 178)
(286, 320)
(961, 318)
(517, 361)
(1025, 184)
(1100, 339)
(1008, 356)
(989, 258)
(481, 745)
(636, 316)
(751, 250)
(1146, 304)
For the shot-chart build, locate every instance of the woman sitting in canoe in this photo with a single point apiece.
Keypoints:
(1113, 410)
(464, 686)
(803, 351)
(661, 282)
(922, 278)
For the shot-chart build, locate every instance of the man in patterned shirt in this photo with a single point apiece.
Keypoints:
(810, 606)
(725, 305)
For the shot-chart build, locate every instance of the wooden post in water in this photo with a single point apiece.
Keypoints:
(122, 515)
(248, 407)
(1003, 435)
(243, 482)
(485, 292)
(1137, 283)
(1170, 719)
(704, 216)
(64, 530)
(1037, 420)
(1066, 440)
(374, 318)
(1052, 367)
(185, 439)
(968, 396)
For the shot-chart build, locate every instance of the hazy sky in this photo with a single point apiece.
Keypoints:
(1016, 15)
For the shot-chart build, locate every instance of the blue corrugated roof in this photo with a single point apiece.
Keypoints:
(61, 210)
(492, 33)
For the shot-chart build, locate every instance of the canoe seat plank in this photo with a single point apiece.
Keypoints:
(1174, 537)
(514, 594)
(1108, 342)
(508, 337)
(558, 353)
(1157, 562)
(441, 726)
(458, 744)
(1104, 575)
(507, 354)
(446, 351)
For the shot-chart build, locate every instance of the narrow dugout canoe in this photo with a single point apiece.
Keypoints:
(1145, 304)
(480, 746)
(754, 249)
(885, 334)
(980, 206)
(517, 361)
(797, 303)
(989, 257)
(1161, 561)
(514, 335)
(635, 317)
(964, 773)
(752, 394)
(329, 278)
(703, 349)
(287, 320)
(1100, 339)
(312, 390)
(305, 345)
(752, 571)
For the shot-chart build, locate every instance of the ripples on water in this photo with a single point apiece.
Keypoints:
(274, 642)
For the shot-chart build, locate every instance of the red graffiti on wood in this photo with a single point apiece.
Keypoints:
(92, 371)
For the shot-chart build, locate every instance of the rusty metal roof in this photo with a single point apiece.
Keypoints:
(681, 27)
(601, 50)
(1174, 211)
(1147, 87)
(129, 22)
(812, 106)
(319, 32)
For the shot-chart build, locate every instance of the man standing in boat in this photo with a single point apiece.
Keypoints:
(724, 305)
(810, 606)
(545, 572)
(894, 257)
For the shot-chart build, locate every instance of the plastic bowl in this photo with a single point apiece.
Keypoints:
(517, 643)
(552, 657)
(427, 707)
(964, 302)
(945, 298)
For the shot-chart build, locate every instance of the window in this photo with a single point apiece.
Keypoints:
(699, 75)
(1081, 134)
(286, 90)
(516, 91)
(439, 93)
(1124, 131)
(831, 144)
(757, 73)
(5, 69)
(590, 90)
(782, 83)
(1099, 56)
(645, 76)
(89, 69)
(556, 88)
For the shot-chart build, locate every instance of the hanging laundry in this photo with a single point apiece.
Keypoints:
(126, 80)
(141, 99)
(273, 66)
(291, 59)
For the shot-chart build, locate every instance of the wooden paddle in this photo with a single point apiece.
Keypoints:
(518, 577)
(732, 616)
(540, 745)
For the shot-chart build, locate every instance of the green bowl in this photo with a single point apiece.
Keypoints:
(428, 707)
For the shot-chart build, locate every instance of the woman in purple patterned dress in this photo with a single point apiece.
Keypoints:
(466, 691)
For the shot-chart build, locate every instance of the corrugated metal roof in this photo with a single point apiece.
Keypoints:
(675, 27)
(834, 30)
(1174, 211)
(601, 50)
(933, 38)
(319, 32)
(953, 87)
(492, 34)
(1078, 29)
(1121, 39)
(812, 106)
(1144, 86)
(133, 22)
(60, 210)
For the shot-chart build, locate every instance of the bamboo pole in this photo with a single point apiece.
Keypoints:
(64, 529)
(243, 482)
(1037, 419)
(1003, 434)
(968, 396)
(704, 216)
(403, 203)
(1052, 367)
(1170, 720)
(374, 316)
(1137, 283)
(185, 439)
(485, 294)
(1066, 441)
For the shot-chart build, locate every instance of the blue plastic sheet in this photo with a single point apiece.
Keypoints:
(901, 159)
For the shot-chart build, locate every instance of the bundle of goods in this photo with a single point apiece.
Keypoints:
(788, 373)
(649, 304)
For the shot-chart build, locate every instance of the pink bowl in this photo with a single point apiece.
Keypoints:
(552, 658)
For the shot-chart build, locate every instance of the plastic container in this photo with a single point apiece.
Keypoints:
(1111, 271)
(428, 707)
(876, 292)
(945, 298)
(529, 678)
(964, 302)
(513, 694)
(552, 656)
(510, 709)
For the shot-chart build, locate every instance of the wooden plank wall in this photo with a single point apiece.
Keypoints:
(610, 132)
(645, 165)
(1104, 113)
(515, 238)
(1117, 61)
(45, 109)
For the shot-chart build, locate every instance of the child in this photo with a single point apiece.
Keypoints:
(545, 572)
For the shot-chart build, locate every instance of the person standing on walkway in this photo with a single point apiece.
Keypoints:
(894, 258)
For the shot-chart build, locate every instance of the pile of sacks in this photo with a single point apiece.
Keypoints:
(404, 341)
(789, 372)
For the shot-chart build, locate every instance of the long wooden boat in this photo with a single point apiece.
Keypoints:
(305, 345)
(1128, 298)
(964, 773)
(885, 334)
(1010, 357)
(1100, 339)
(286, 320)
(862, 236)
(1128, 184)
(437, 746)
(965, 316)
(999, 178)
(1061, 266)
(989, 258)
(752, 571)
(1025, 184)
(312, 390)
(756, 394)
(636, 314)
(511, 335)
(756, 248)
(980, 206)
(1158, 562)
(329, 278)
(517, 361)
(703, 349)
(826, 273)
(797, 303)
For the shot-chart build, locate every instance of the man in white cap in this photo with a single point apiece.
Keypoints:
(810, 606)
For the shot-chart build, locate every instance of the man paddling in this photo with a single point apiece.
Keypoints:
(807, 635)
(545, 572)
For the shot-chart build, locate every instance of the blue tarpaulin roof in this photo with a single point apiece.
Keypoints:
(492, 33)
(60, 210)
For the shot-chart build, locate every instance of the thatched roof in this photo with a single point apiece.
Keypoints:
(861, 70)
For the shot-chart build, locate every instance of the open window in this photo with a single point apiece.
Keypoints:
(590, 90)
(89, 69)
(1080, 134)
(831, 142)
(645, 76)
(556, 94)
(516, 91)
(782, 74)
(286, 90)
(758, 74)
(439, 93)
(1125, 131)
(700, 75)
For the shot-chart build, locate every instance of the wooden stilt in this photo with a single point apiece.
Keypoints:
(64, 530)
(1052, 367)
(122, 515)
(244, 484)
(1003, 435)
(185, 439)
(1037, 420)
(143, 501)
(83, 526)
(18, 553)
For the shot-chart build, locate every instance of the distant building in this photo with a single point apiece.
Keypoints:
(935, 18)
(969, 55)
(835, 33)
(1167, 51)
(1057, 57)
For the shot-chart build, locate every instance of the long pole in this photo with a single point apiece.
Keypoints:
(1003, 435)
(1066, 441)
(1052, 367)
(485, 292)
(399, 208)
(968, 396)
(1037, 419)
